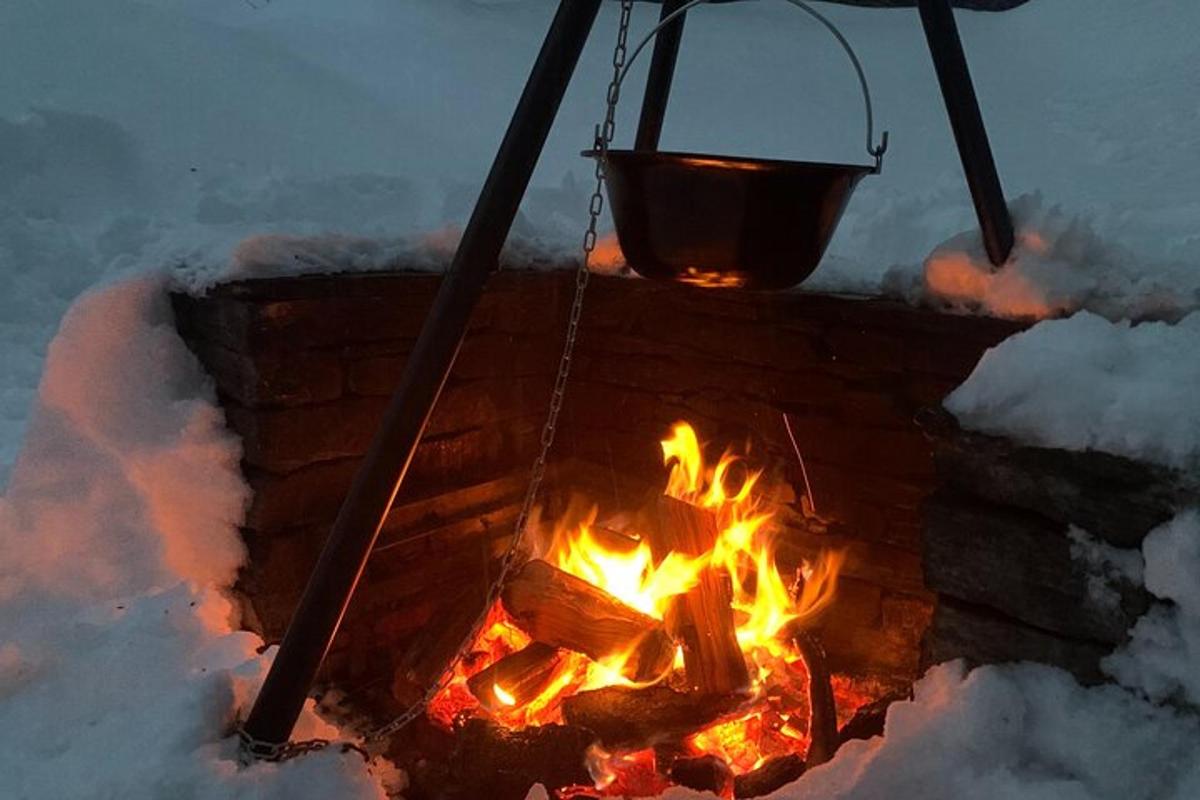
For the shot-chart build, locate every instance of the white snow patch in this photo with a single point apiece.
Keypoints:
(1060, 264)
(1163, 655)
(1087, 383)
(121, 670)
(1106, 566)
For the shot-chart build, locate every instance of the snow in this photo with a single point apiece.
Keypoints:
(1059, 265)
(1085, 383)
(178, 143)
(1164, 650)
(1106, 567)
(121, 668)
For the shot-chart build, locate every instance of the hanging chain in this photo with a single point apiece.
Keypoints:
(604, 137)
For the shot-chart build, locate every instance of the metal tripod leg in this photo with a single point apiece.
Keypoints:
(358, 522)
(658, 83)
(969, 133)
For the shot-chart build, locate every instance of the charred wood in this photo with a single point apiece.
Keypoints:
(773, 774)
(703, 774)
(635, 718)
(822, 718)
(522, 675)
(500, 764)
(868, 721)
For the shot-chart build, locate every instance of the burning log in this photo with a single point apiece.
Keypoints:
(713, 660)
(822, 719)
(495, 762)
(773, 774)
(562, 610)
(627, 718)
(517, 679)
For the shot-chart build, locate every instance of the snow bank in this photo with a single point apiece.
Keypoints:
(1086, 383)
(1059, 265)
(121, 670)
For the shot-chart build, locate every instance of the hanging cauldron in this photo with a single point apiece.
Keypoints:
(728, 221)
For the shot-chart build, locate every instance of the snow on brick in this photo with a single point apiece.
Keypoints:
(1087, 383)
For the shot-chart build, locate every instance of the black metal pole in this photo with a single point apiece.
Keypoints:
(357, 526)
(962, 106)
(658, 83)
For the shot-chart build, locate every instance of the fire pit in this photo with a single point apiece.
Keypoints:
(302, 374)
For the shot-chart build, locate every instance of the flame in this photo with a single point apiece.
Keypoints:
(765, 603)
(503, 696)
(629, 574)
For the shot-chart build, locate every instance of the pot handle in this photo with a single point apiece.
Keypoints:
(875, 150)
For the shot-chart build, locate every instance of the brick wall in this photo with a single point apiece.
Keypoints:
(304, 366)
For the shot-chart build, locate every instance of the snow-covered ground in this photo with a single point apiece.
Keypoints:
(141, 142)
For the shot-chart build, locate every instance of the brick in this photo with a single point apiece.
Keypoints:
(285, 439)
(297, 379)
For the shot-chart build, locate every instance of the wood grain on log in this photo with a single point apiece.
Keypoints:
(981, 636)
(557, 608)
(522, 675)
(1110, 496)
(634, 718)
(1021, 565)
(713, 659)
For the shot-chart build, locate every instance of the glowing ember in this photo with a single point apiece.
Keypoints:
(765, 603)
(504, 697)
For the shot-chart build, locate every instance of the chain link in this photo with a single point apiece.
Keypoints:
(604, 137)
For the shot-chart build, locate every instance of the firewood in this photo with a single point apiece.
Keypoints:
(822, 719)
(522, 676)
(713, 660)
(559, 609)
(773, 774)
(635, 718)
(494, 762)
